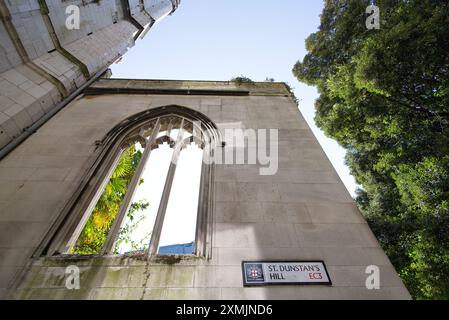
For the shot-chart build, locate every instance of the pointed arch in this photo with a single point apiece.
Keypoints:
(148, 128)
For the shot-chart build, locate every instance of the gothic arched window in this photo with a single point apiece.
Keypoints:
(135, 198)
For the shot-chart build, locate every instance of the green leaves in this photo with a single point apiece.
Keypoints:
(241, 80)
(131, 225)
(96, 230)
(384, 96)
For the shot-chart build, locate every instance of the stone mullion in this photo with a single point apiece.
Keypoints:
(70, 243)
(202, 207)
(126, 203)
(208, 223)
(157, 230)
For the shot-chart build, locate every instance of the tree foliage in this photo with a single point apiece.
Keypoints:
(135, 217)
(97, 227)
(241, 80)
(384, 96)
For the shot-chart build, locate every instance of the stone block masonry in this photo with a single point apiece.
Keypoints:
(42, 62)
(301, 213)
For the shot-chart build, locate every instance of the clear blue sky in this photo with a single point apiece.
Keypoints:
(220, 39)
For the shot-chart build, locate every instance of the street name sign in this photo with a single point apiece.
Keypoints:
(259, 273)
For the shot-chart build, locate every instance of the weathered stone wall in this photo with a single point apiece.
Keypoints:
(302, 213)
(42, 62)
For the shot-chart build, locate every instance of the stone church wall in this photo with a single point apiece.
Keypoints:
(301, 213)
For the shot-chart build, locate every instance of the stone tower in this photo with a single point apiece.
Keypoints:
(43, 64)
(268, 223)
